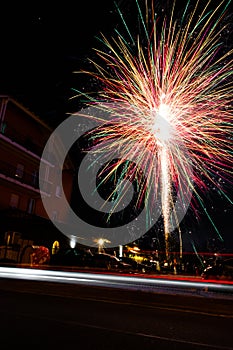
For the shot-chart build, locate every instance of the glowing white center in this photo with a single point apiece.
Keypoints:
(162, 128)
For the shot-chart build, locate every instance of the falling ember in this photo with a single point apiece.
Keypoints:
(171, 104)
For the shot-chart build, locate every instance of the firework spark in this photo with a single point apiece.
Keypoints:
(170, 104)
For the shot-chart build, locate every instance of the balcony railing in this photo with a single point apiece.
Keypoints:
(22, 140)
(24, 178)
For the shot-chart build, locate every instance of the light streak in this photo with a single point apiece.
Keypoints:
(171, 105)
(120, 281)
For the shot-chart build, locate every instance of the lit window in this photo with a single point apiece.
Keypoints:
(19, 171)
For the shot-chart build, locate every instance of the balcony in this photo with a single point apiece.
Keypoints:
(22, 140)
(26, 179)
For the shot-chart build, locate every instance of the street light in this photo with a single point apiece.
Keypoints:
(72, 242)
(101, 242)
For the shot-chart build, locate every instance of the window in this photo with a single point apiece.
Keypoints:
(19, 171)
(35, 178)
(14, 200)
(3, 128)
(31, 205)
(54, 215)
(58, 191)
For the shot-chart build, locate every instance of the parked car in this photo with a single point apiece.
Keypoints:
(71, 257)
(137, 266)
(5, 262)
(222, 269)
(109, 262)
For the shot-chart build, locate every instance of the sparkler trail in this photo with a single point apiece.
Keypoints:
(170, 105)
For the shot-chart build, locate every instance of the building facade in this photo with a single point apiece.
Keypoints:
(23, 137)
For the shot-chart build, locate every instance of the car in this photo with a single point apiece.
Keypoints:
(71, 257)
(137, 266)
(220, 270)
(109, 262)
(5, 262)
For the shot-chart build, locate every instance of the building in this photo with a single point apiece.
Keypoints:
(24, 220)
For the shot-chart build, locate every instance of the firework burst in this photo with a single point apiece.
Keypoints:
(170, 102)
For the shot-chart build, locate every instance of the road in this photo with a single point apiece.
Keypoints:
(46, 315)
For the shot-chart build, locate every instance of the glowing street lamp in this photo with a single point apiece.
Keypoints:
(72, 242)
(101, 243)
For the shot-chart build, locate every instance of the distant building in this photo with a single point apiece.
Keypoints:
(23, 137)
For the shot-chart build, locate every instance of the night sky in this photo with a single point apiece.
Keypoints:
(42, 45)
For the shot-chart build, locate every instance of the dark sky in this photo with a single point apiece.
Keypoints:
(41, 46)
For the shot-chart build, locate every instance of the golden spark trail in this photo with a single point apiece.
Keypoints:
(166, 196)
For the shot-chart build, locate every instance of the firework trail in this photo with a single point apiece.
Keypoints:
(169, 93)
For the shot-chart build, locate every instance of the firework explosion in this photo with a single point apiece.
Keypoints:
(170, 102)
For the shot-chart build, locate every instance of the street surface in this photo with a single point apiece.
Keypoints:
(45, 315)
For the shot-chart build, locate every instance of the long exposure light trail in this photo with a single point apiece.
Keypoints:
(151, 284)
